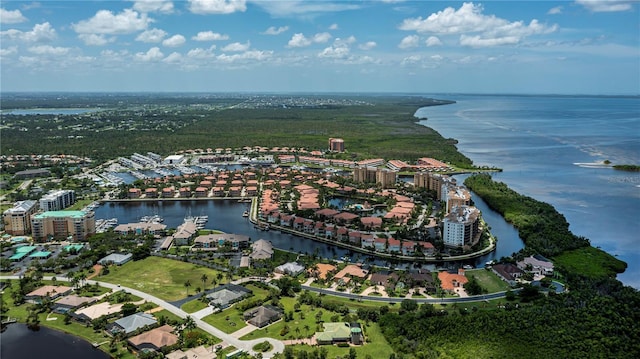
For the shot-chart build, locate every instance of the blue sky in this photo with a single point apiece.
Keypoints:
(553, 47)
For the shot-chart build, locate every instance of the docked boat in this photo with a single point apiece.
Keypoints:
(245, 214)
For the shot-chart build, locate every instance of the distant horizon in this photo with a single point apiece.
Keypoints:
(579, 47)
(317, 93)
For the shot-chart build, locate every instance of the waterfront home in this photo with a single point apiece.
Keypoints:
(537, 264)
(202, 192)
(380, 244)
(507, 272)
(71, 302)
(140, 228)
(452, 281)
(215, 240)
(393, 245)
(290, 268)
(185, 233)
(155, 339)
(408, 247)
(261, 249)
(151, 192)
(185, 192)
(354, 237)
(131, 323)
(218, 191)
(427, 248)
(298, 223)
(348, 272)
(367, 240)
(308, 226)
(51, 291)
(286, 220)
(235, 191)
(135, 193)
(329, 231)
(97, 310)
(322, 270)
(168, 192)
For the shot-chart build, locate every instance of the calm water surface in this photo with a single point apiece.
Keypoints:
(547, 147)
(18, 342)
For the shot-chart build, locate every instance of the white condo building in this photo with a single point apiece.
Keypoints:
(57, 200)
(461, 226)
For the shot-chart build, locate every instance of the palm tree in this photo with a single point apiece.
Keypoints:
(189, 323)
(187, 284)
(204, 279)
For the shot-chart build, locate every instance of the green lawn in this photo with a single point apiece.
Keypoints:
(193, 306)
(488, 280)
(161, 277)
(228, 320)
(167, 314)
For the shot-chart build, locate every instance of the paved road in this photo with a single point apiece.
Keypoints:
(469, 299)
(247, 345)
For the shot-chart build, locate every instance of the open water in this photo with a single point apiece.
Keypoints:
(549, 148)
(18, 342)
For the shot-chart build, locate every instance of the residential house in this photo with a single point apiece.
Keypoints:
(51, 291)
(131, 323)
(261, 249)
(155, 339)
(262, 315)
(507, 272)
(537, 264)
(290, 268)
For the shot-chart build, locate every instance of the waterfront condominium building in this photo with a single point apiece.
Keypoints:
(456, 196)
(461, 226)
(57, 200)
(17, 219)
(336, 145)
(433, 182)
(76, 225)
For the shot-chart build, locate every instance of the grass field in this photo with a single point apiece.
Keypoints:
(488, 280)
(193, 306)
(228, 320)
(161, 277)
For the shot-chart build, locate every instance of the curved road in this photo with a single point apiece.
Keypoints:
(469, 299)
(246, 345)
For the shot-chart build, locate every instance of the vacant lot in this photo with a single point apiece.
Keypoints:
(488, 280)
(161, 277)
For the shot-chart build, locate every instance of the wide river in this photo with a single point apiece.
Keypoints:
(547, 146)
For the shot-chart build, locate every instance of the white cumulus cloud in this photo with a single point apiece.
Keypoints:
(48, 50)
(409, 42)
(40, 33)
(173, 58)
(245, 56)
(154, 54)
(336, 51)
(322, 37)
(146, 6)
(174, 41)
(607, 5)
(217, 6)
(152, 36)
(477, 41)
(236, 47)
(333, 27)
(106, 22)
(12, 50)
(11, 16)
(95, 39)
(200, 53)
(433, 41)
(470, 19)
(272, 30)
(298, 40)
(368, 45)
(210, 36)
(555, 10)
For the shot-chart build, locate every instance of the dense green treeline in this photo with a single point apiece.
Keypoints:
(599, 320)
(383, 127)
(544, 230)
(540, 226)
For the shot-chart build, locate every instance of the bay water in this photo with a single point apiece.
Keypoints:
(551, 148)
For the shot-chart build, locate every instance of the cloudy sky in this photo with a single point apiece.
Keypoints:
(566, 47)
